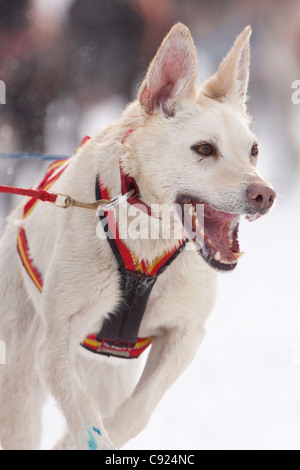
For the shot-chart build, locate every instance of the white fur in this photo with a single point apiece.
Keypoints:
(42, 332)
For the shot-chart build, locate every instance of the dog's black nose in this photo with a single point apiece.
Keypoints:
(260, 197)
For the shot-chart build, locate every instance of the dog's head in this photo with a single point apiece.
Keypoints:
(195, 147)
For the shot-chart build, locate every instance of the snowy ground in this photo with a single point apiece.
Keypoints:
(242, 390)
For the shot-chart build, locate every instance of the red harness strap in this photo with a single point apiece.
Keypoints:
(35, 193)
(51, 176)
(116, 348)
(130, 260)
(40, 193)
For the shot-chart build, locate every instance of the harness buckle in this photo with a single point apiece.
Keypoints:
(103, 204)
(67, 202)
(116, 201)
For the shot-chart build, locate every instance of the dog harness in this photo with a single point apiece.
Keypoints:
(118, 336)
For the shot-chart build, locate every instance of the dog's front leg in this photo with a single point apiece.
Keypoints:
(57, 365)
(168, 358)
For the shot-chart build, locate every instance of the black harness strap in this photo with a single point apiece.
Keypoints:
(124, 323)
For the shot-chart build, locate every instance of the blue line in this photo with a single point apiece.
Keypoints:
(33, 156)
(97, 431)
(92, 441)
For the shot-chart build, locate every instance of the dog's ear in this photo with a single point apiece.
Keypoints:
(172, 73)
(231, 80)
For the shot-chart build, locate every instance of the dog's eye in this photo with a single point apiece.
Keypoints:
(254, 150)
(205, 149)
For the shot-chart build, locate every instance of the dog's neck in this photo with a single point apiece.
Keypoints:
(115, 144)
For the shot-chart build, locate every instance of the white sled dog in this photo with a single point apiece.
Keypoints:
(82, 297)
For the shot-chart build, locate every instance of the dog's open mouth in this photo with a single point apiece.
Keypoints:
(214, 233)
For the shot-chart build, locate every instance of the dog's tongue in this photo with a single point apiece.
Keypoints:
(214, 232)
(221, 229)
(215, 223)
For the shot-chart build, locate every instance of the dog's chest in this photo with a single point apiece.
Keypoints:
(180, 297)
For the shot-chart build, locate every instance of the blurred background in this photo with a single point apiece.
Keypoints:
(70, 67)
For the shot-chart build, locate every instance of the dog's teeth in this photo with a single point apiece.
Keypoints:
(252, 217)
(217, 256)
(227, 262)
(239, 255)
(192, 211)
